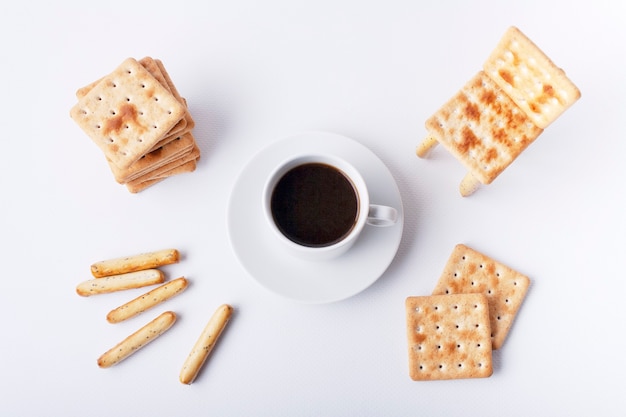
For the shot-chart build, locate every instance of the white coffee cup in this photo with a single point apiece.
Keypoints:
(317, 206)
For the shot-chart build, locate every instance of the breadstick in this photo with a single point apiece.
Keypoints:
(469, 185)
(134, 263)
(147, 300)
(426, 146)
(137, 340)
(205, 343)
(120, 282)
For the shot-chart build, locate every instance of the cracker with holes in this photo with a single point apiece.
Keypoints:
(186, 163)
(540, 88)
(156, 69)
(469, 271)
(483, 128)
(155, 159)
(127, 113)
(448, 337)
(500, 111)
(139, 120)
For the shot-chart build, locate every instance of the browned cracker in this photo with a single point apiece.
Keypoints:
(166, 76)
(127, 113)
(166, 170)
(483, 128)
(149, 64)
(183, 168)
(448, 337)
(530, 78)
(154, 159)
(168, 79)
(186, 163)
(184, 125)
(170, 153)
(140, 185)
(82, 92)
(137, 188)
(468, 271)
(170, 137)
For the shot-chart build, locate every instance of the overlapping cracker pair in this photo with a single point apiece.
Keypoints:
(501, 110)
(139, 271)
(452, 333)
(137, 117)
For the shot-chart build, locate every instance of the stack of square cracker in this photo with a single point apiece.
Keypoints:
(501, 110)
(452, 333)
(136, 116)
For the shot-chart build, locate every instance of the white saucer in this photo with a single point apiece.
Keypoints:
(312, 281)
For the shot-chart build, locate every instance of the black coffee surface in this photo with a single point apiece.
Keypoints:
(314, 205)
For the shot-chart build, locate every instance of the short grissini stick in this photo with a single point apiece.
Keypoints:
(424, 148)
(469, 184)
(205, 344)
(148, 300)
(137, 340)
(120, 282)
(134, 263)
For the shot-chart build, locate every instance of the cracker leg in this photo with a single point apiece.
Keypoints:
(469, 185)
(425, 147)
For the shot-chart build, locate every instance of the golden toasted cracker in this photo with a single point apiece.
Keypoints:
(135, 262)
(127, 113)
(205, 344)
(149, 64)
(179, 166)
(120, 282)
(137, 340)
(166, 170)
(448, 337)
(82, 92)
(469, 271)
(154, 159)
(142, 184)
(158, 66)
(147, 301)
(183, 168)
(184, 125)
(170, 137)
(483, 128)
(168, 79)
(530, 78)
(174, 90)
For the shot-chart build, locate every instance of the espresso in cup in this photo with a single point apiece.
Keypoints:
(315, 205)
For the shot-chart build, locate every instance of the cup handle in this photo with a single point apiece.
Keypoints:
(382, 215)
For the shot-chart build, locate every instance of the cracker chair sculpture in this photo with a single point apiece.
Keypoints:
(501, 110)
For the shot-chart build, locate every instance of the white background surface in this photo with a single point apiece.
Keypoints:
(254, 72)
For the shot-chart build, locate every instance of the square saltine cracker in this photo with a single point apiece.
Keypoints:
(483, 128)
(448, 337)
(127, 112)
(530, 78)
(469, 271)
